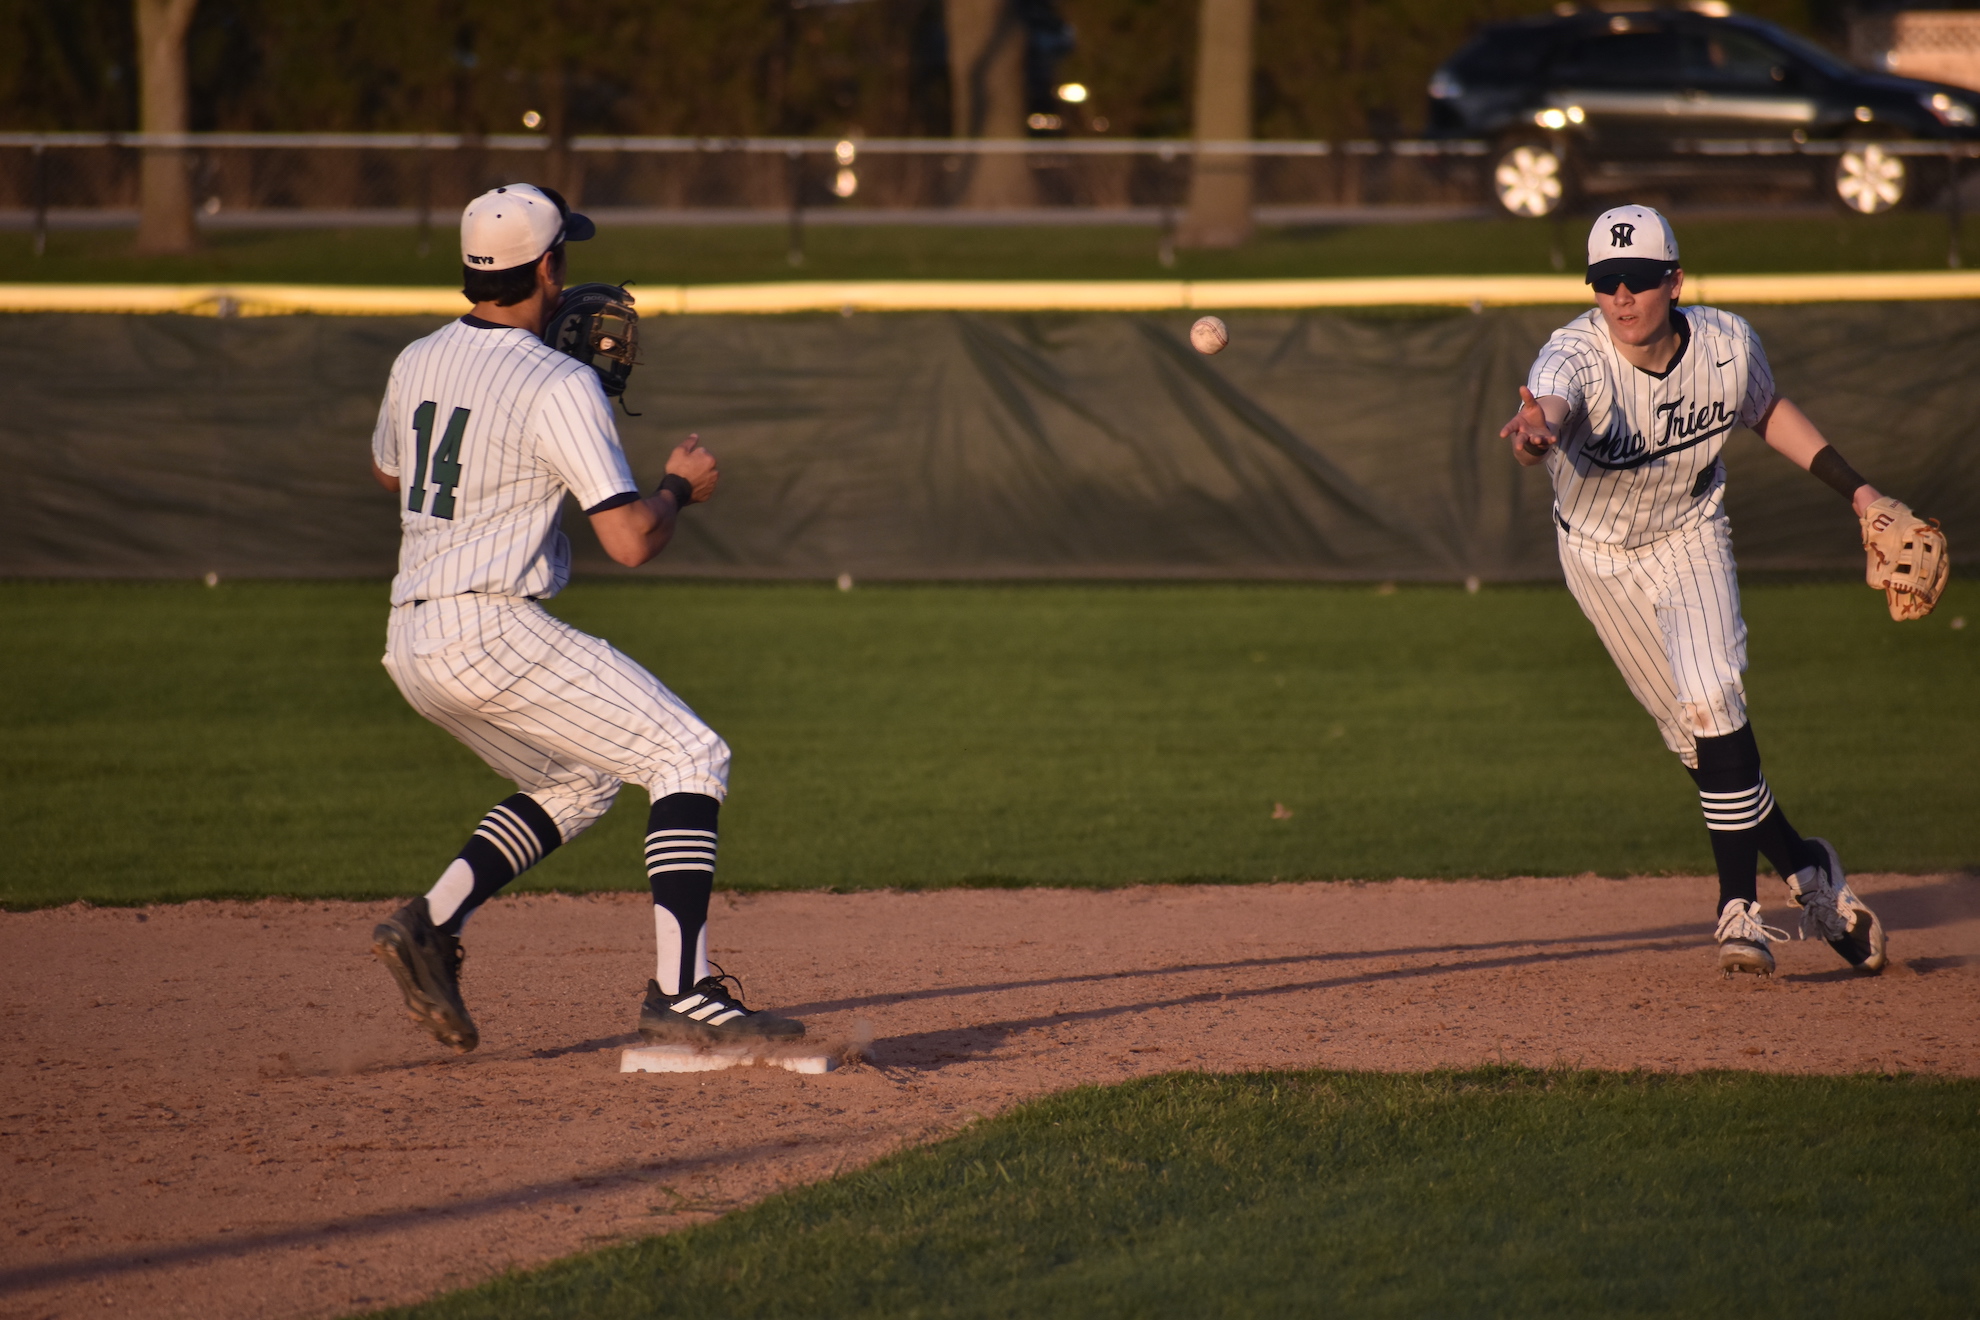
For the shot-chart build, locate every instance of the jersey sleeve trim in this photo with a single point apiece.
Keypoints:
(619, 501)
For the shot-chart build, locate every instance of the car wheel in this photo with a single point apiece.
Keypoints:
(1869, 179)
(1530, 179)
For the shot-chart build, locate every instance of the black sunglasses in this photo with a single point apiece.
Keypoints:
(1607, 284)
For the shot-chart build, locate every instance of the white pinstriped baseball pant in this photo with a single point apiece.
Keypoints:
(1668, 612)
(563, 714)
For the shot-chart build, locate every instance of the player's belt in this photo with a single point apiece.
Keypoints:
(468, 593)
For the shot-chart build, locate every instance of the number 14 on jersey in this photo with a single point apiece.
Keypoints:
(446, 472)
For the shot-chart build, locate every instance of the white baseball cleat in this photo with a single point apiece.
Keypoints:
(1830, 910)
(1743, 939)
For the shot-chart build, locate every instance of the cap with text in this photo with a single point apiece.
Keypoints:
(516, 224)
(1631, 240)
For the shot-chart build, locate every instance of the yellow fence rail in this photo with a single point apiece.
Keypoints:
(799, 296)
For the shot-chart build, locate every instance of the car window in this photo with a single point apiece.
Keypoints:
(1504, 55)
(1730, 60)
(1622, 59)
(1814, 56)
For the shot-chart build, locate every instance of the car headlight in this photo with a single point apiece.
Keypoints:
(1950, 110)
(1443, 87)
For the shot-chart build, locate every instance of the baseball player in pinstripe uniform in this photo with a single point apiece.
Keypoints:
(1628, 405)
(483, 430)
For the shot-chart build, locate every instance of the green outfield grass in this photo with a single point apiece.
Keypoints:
(1902, 241)
(1497, 1192)
(173, 741)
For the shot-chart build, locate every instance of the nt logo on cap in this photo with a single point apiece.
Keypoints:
(1622, 235)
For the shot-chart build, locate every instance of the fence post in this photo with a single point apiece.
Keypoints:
(40, 199)
(794, 175)
(1166, 190)
(424, 164)
(1953, 155)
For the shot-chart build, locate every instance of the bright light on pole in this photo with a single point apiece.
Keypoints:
(1072, 93)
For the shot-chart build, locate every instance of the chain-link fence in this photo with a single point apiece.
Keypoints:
(75, 179)
(274, 180)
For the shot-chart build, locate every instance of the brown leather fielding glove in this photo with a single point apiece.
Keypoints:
(1906, 558)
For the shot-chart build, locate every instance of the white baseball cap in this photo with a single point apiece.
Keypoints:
(516, 224)
(1631, 240)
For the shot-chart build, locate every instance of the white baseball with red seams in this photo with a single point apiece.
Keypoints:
(1209, 335)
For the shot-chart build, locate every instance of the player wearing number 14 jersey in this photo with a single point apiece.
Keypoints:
(483, 431)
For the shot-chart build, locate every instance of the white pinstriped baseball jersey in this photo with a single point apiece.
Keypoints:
(486, 427)
(1639, 451)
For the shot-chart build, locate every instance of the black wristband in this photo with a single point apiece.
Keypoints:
(1833, 471)
(679, 487)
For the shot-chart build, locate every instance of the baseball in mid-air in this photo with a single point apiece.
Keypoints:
(1208, 335)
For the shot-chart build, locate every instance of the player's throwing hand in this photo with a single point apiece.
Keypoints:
(696, 466)
(1529, 430)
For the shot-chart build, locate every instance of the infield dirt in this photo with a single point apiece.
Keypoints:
(218, 1109)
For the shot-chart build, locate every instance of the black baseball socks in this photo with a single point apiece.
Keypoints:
(680, 865)
(1742, 816)
(515, 835)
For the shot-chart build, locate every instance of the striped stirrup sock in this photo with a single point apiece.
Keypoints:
(680, 866)
(680, 850)
(1741, 816)
(515, 835)
(1743, 809)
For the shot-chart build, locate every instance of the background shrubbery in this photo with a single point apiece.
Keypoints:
(1326, 68)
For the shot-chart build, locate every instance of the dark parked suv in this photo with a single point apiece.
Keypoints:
(1610, 101)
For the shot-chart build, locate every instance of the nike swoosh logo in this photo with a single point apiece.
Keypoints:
(1729, 361)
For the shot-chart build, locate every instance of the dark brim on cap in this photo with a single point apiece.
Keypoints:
(1627, 266)
(577, 227)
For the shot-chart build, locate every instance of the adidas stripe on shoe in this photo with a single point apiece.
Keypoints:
(710, 1011)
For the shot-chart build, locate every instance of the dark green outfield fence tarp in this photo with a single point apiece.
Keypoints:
(949, 445)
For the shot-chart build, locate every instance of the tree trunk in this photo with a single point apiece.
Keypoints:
(562, 169)
(986, 93)
(1219, 213)
(165, 222)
